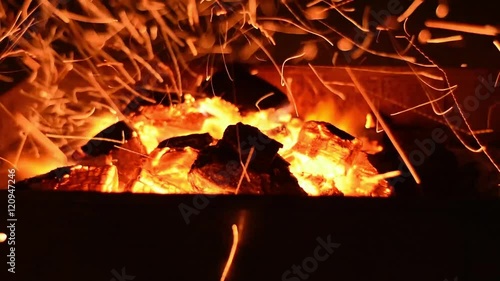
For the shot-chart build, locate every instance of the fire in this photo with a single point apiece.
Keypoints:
(314, 157)
(325, 172)
(110, 61)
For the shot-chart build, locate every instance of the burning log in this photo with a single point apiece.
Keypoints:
(240, 138)
(157, 123)
(167, 168)
(76, 178)
(196, 141)
(322, 139)
(129, 159)
(116, 145)
(220, 168)
(105, 141)
(329, 161)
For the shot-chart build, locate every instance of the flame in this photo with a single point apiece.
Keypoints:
(317, 175)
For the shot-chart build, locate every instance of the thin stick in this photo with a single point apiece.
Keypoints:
(384, 125)
(247, 162)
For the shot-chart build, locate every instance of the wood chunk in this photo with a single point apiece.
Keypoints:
(119, 131)
(353, 170)
(322, 138)
(196, 141)
(218, 168)
(129, 159)
(184, 116)
(167, 168)
(366, 170)
(240, 138)
(282, 181)
(166, 171)
(159, 122)
(76, 178)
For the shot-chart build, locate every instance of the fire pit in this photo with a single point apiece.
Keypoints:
(248, 140)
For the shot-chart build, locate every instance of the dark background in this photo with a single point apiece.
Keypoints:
(475, 50)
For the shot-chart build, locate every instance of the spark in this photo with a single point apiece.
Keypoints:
(261, 99)
(298, 26)
(32, 130)
(148, 67)
(463, 27)
(289, 90)
(108, 99)
(421, 73)
(334, 58)
(446, 39)
(8, 162)
(442, 10)
(384, 126)
(21, 147)
(82, 116)
(426, 103)
(148, 44)
(76, 17)
(260, 59)
(224, 60)
(232, 253)
(497, 44)
(383, 176)
(377, 130)
(166, 31)
(7, 79)
(283, 66)
(131, 151)
(362, 28)
(284, 2)
(406, 14)
(130, 27)
(380, 54)
(480, 132)
(134, 92)
(336, 92)
(191, 46)
(338, 83)
(423, 36)
(313, 3)
(408, 47)
(460, 111)
(192, 12)
(252, 13)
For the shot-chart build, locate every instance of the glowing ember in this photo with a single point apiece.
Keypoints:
(79, 178)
